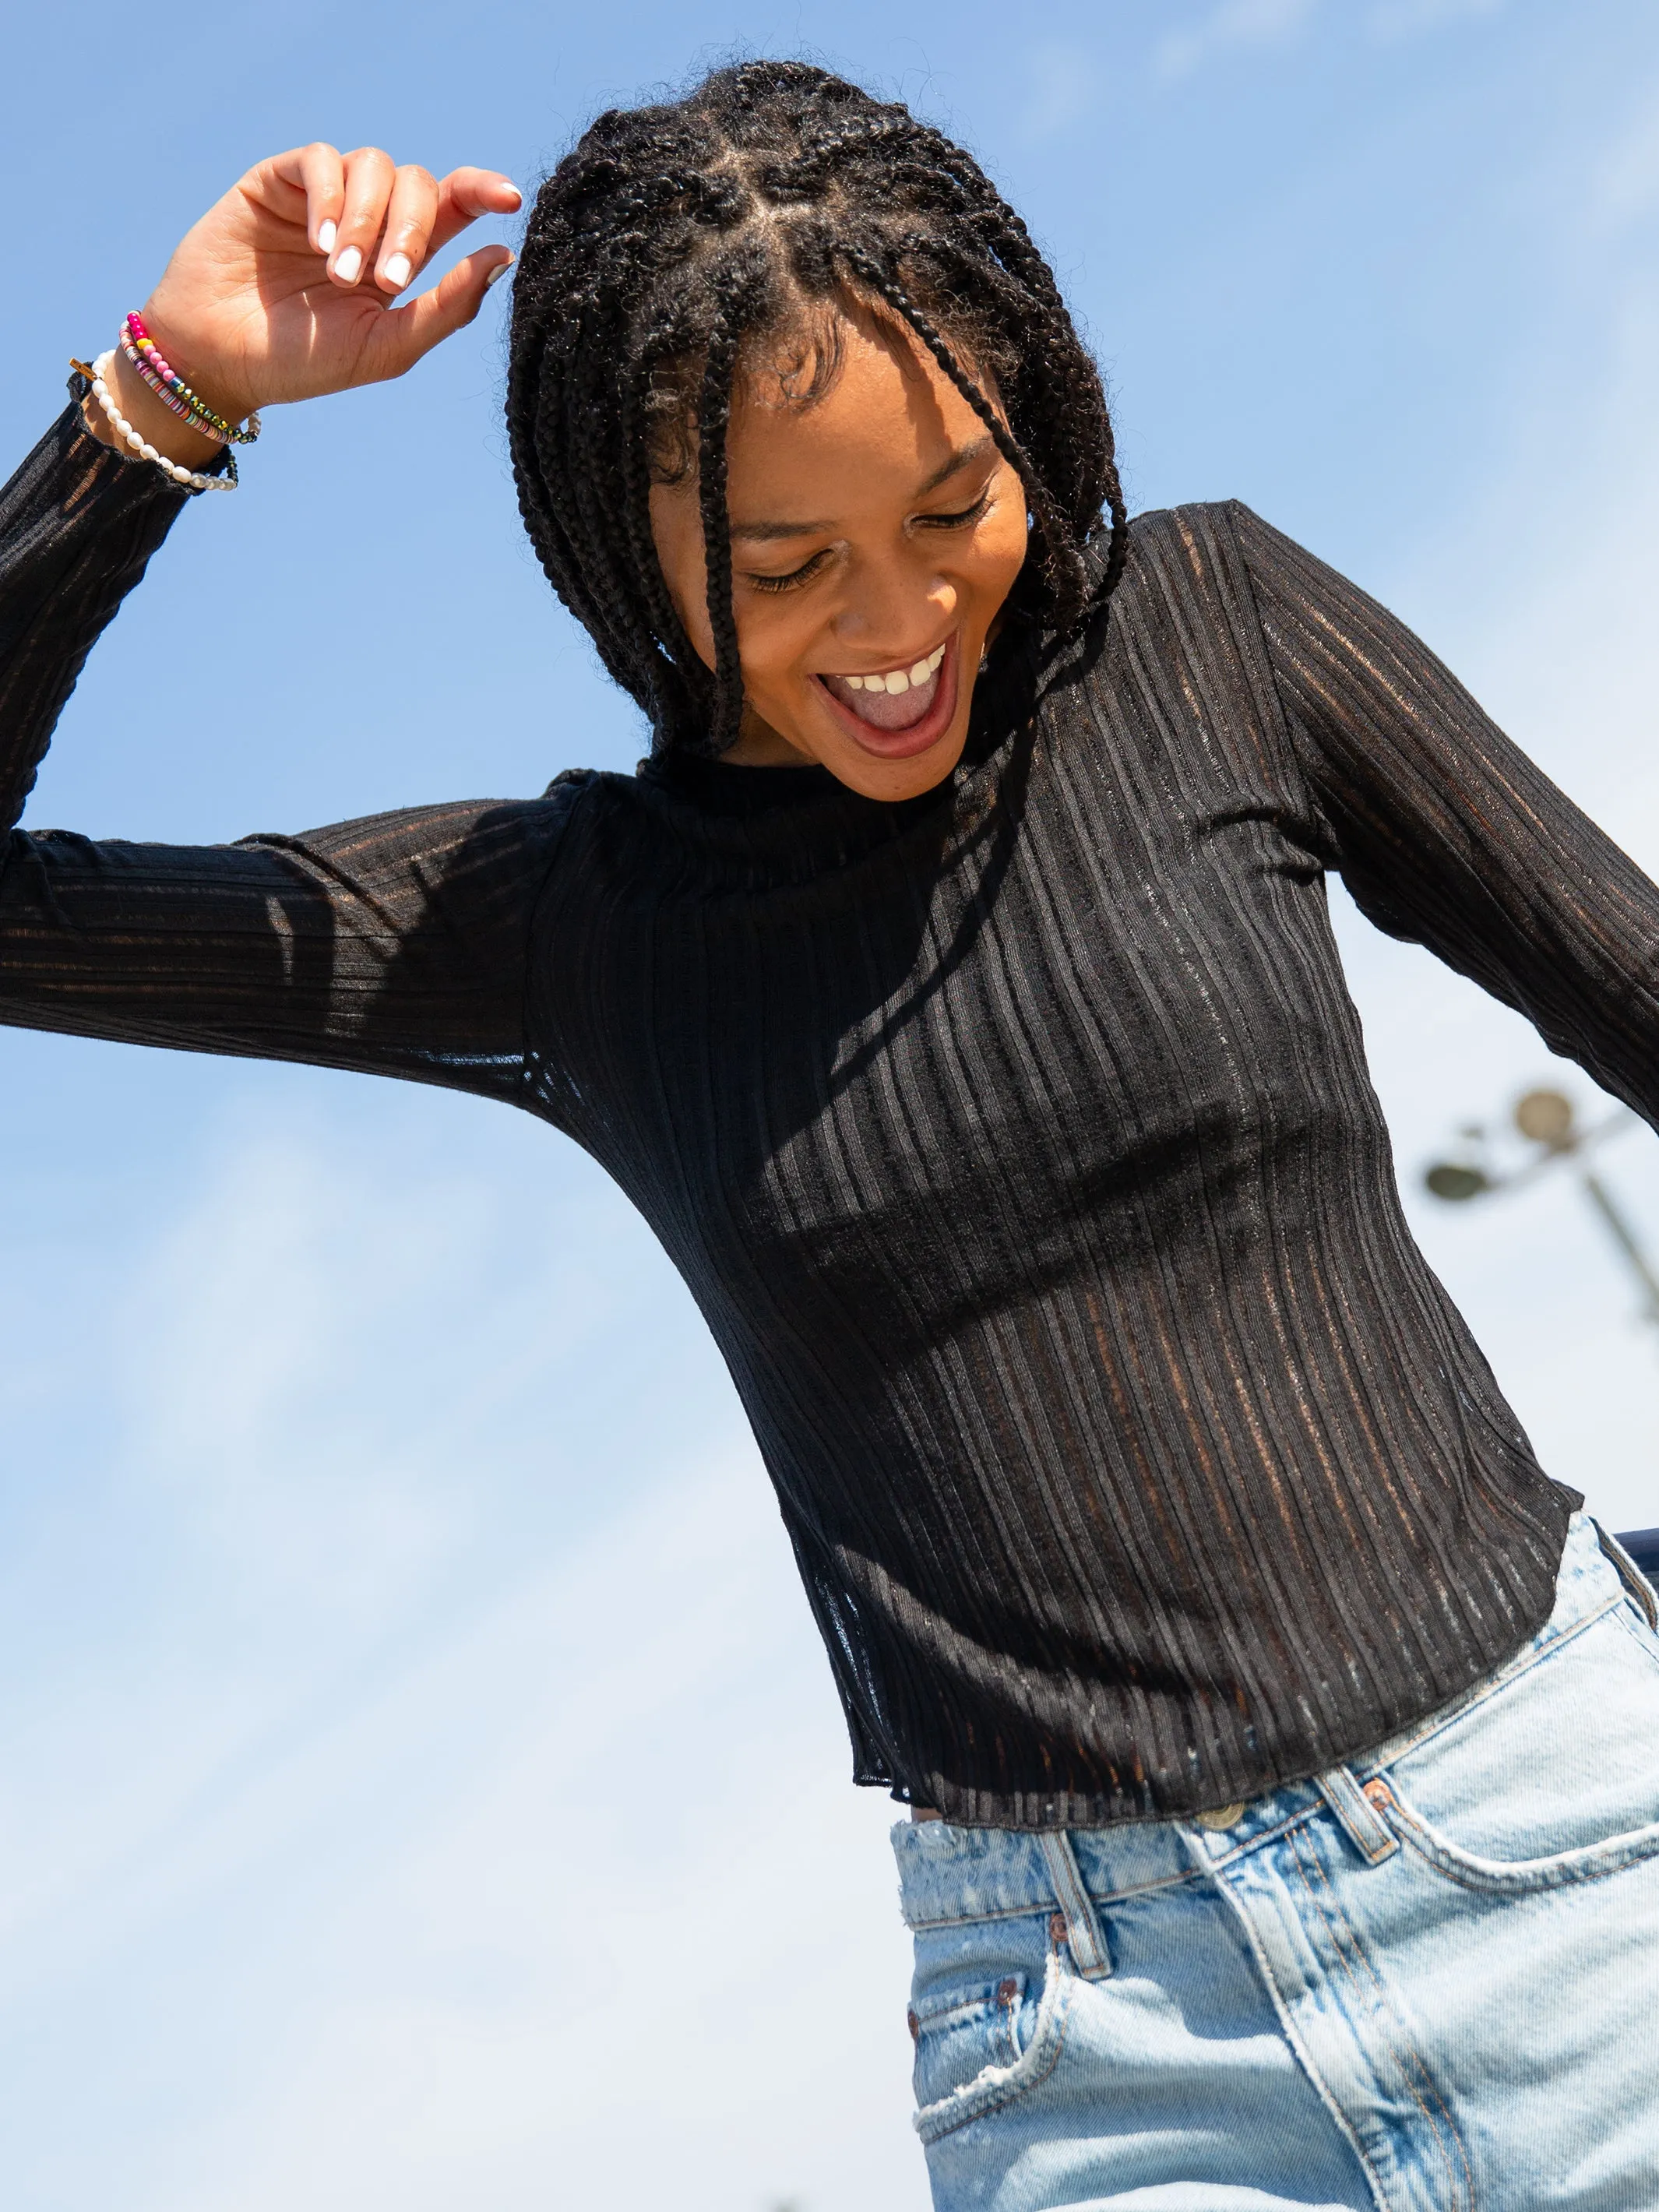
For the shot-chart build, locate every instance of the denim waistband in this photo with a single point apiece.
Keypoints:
(948, 1872)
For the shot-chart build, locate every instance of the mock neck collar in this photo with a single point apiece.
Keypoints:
(1003, 697)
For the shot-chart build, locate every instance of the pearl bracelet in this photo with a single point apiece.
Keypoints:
(187, 479)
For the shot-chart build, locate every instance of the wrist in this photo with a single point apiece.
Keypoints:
(155, 422)
(195, 365)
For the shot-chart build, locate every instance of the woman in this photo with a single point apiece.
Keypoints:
(953, 991)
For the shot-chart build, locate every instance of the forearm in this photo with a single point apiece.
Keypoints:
(1446, 834)
(395, 945)
(77, 527)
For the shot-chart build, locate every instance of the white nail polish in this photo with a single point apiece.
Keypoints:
(326, 234)
(498, 272)
(347, 267)
(396, 270)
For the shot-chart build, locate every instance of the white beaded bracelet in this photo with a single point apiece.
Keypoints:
(187, 479)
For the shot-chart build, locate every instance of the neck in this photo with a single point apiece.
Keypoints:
(759, 745)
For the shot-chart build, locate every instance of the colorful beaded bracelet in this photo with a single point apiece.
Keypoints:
(187, 479)
(170, 388)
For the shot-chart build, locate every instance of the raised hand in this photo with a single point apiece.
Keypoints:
(285, 290)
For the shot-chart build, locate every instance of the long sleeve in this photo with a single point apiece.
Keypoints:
(1447, 834)
(396, 945)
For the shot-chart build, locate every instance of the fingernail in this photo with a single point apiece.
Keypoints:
(326, 236)
(348, 265)
(513, 188)
(396, 271)
(498, 271)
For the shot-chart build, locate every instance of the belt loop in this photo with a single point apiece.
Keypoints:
(1637, 1585)
(1367, 1831)
(1088, 1946)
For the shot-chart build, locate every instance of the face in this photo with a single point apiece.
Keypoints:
(876, 532)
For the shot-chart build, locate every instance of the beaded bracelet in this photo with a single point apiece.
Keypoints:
(188, 479)
(170, 388)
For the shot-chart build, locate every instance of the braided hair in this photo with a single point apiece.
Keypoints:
(673, 237)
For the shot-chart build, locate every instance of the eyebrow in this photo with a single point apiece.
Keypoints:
(963, 457)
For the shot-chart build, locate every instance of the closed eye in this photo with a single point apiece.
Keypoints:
(961, 517)
(796, 577)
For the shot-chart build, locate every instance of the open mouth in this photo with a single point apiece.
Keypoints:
(900, 710)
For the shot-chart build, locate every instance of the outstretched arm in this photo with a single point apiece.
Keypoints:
(396, 945)
(1447, 834)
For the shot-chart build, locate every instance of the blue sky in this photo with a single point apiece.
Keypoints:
(421, 1782)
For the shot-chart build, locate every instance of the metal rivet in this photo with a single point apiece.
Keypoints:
(1223, 1816)
(914, 2025)
(1379, 1793)
(1008, 1991)
(1058, 1931)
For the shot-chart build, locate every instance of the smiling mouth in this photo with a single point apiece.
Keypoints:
(895, 699)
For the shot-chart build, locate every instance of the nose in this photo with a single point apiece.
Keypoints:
(891, 605)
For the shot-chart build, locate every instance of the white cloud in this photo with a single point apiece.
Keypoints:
(1237, 24)
(413, 1820)
(1405, 19)
(490, 1971)
(1233, 24)
(1625, 183)
(1061, 83)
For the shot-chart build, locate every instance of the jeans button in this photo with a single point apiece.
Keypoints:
(1222, 1816)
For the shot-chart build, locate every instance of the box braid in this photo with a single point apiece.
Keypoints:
(672, 239)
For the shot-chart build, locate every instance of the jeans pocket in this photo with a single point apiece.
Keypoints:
(1506, 1877)
(1553, 1766)
(981, 2047)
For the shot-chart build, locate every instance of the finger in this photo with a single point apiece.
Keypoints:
(306, 185)
(401, 336)
(323, 174)
(408, 217)
(465, 195)
(368, 178)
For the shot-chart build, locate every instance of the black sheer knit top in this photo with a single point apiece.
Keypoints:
(1015, 1141)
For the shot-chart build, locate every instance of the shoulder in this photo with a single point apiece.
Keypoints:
(494, 851)
(1190, 534)
(1193, 564)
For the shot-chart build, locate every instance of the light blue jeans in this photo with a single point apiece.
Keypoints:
(1428, 1981)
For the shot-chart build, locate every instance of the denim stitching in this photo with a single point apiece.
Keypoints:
(1645, 1643)
(1527, 1877)
(1638, 1588)
(979, 2104)
(1298, 2042)
(1049, 1904)
(1399, 2048)
(1276, 1834)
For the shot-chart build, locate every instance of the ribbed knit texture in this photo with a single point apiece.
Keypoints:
(1016, 1142)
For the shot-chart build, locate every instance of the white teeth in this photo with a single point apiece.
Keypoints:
(900, 679)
